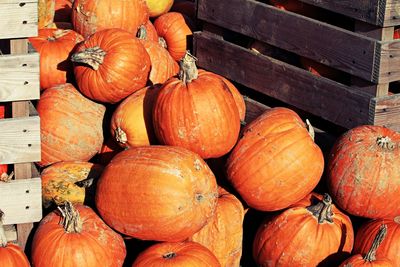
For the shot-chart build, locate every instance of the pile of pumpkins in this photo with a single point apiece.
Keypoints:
(129, 126)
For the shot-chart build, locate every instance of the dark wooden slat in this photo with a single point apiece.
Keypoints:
(319, 96)
(385, 111)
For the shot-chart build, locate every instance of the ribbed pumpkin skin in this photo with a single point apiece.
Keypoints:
(200, 115)
(131, 123)
(390, 246)
(90, 16)
(13, 256)
(46, 10)
(186, 254)
(125, 68)
(96, 245)
(223, 234)
(173, 29)
(358, 261)
(58, 181)
(237, 96)
(363, 178)
(295, 238)
(54, 47)
(71, 125)
(157, 193)
(275, 163)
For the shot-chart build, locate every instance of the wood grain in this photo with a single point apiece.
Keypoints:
(385, 111)
(18, 18)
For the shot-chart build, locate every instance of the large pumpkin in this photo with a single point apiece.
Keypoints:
(238, 97)
(223, 234)
(90, 16)
(55, 47)
(316, 234)
(390, 246)
(76, 236)
(11, 255)
(157, 193)
(276, 162)
(182, 254)
(173, 31)
(46, 10)
(196, 111)
(110, 65)
(68, 181)
(71, 125)
(131, 123)
(363, 172)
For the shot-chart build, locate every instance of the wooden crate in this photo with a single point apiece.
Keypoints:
(20, 199)
(368, 54)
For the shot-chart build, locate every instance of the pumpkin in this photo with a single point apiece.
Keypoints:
(109, 149)
(110, 65)
(160, 193)
(148, 31)
(158, 7)
(390, 246)
(196, 111)
(71, 125)
(75, 235)
(68, 181)
(131, 123)
(276, 162)
(314, 235)
(63, 10)
(396, 34)
(90, 16)
(223, 234)
(11, 255)
(173, 32)
(46, 10)
(363, 176)
(54, 47)
(370, 257)
(237, 96)
(177, 254)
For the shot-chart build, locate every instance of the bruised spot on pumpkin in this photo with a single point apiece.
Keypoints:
(181, 133)
(197, 165)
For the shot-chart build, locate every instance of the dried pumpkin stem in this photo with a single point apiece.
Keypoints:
(93, 56)
(169, 255)
(310, 129)
(323, 209)
(120, 136)
(3, 238)
(71, 219)
(162, 42)
(380, 236)
(385, 142)
(188, 70)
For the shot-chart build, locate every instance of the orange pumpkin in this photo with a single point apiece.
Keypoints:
(181, 254)
(237, 96)
(314, 235)
(148, 32)
(90, 16)
(158, 193)
(223, 234)
(46, 10)
(71, 125)
(196, 111)
(110, 65)
(173, 31)
(76, 236)
(55, 47)
(276, 162)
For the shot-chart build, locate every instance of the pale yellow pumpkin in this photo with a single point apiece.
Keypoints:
(158, 7)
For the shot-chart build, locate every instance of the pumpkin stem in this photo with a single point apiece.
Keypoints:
(120, 136)
(71, 220)
(188, 70)
(380, 236)
(169, 255)
(323, 209)
(162, 42)
(57, 34)
(93, 56)
(310, 129)
(385, 142)
(3, 238)
(4, 177)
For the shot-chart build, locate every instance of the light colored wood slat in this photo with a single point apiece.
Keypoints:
(20, 140)
(19, 79)
(18, 19)
(392, 13)
(21, 200)
(11, 233)
(385, 111)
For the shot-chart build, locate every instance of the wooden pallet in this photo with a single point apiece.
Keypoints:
(368, 54)
(20, 199)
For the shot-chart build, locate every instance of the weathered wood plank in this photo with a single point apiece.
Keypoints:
(19, 79)
(329, 100)
(11, 233)
(385, 111)
(18, 19)
(21, 200)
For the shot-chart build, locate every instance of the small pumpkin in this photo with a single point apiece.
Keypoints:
(314, 235)
(178, 254)
(55, 47)
(160, 193)
(370, 259)
(11, 255)
(110, 65)
(46, 11)
(158, 7)
(71, 125)
(75, 235)
(173, 32)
